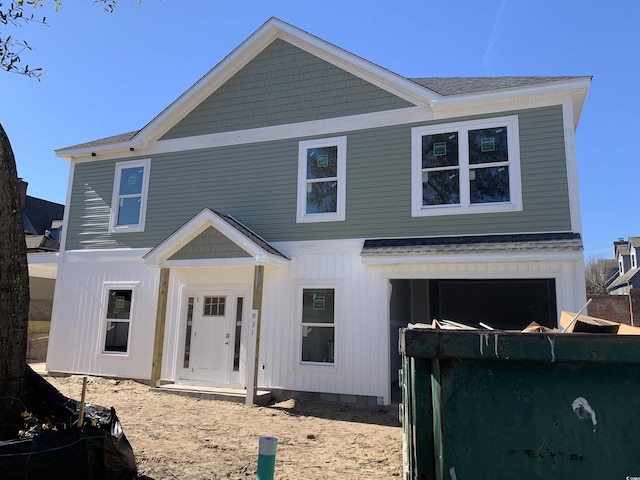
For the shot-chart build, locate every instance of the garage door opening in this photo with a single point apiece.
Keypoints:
(509, 304)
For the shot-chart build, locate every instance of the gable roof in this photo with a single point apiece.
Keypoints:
(41, 243)
(623, 280)
(429, 93)
(258, 250)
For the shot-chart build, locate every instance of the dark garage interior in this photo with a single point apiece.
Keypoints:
(508, 304)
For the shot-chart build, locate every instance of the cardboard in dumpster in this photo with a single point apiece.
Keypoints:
(534, 327)
(587, 324)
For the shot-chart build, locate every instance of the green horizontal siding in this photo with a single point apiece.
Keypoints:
(209, 244)
(257, 183)
(283, 85)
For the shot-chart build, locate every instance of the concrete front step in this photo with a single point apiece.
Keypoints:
(261, 397)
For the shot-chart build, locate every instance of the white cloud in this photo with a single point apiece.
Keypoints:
(491, 53)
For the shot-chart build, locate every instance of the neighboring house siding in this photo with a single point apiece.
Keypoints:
(256, 184)
(209, 244)
(283, 85)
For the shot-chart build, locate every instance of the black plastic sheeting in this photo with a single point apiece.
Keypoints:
(55, 448)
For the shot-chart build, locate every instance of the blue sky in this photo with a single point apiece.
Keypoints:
(105, 74)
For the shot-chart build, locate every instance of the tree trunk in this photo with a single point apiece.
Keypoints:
(14, 295)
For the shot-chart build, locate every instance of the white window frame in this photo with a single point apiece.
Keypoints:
(115, 199)
(339, 215)
(465, 206)
(107, 287)
(336, 317)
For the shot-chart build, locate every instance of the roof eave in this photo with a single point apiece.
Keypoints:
(576, 89)
(106, 151)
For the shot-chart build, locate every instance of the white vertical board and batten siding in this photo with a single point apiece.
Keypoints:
(79, 318)
(361, 322)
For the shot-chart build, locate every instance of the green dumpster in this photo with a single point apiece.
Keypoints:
(509, 405)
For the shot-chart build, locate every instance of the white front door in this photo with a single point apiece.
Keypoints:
(208, 337)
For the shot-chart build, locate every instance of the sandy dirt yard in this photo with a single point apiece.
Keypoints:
(178, 437)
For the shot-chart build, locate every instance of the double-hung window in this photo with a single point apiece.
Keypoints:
(321, 180)
(318, 326)
(130, 186)
(117, 319)
(466, 167)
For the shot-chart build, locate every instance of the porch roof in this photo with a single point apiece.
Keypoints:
(254, 250)
(499, 246)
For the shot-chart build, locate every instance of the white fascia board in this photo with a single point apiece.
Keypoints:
(329, 126)
(562, 86)
(208, 262)
(104, 255)
(266, 260)
(240, 57)
(549, 93)
(254, 45)
(100, 152)
(368, 71)
(479, 258)
(572, 167)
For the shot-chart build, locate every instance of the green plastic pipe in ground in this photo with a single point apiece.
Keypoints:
(266, 457)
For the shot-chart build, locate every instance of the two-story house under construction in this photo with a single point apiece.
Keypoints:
(279, 221)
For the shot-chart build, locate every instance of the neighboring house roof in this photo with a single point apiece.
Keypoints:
(634, 242)
(41, 213)
(623, 249)
(623, 280)
(431, 93)
(41, 243)
(502, 244)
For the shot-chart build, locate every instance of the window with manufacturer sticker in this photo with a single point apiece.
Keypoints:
(466, 167)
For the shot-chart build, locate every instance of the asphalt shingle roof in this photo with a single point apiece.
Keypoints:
(40, 213)
(623, 279)
(517, 243)
(448, 86)
(250, 234)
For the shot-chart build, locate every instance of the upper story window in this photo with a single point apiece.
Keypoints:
(321, 180)
(128, 207)
(466, 167)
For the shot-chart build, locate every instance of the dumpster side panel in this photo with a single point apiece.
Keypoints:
(530, 420)
(528, 406)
